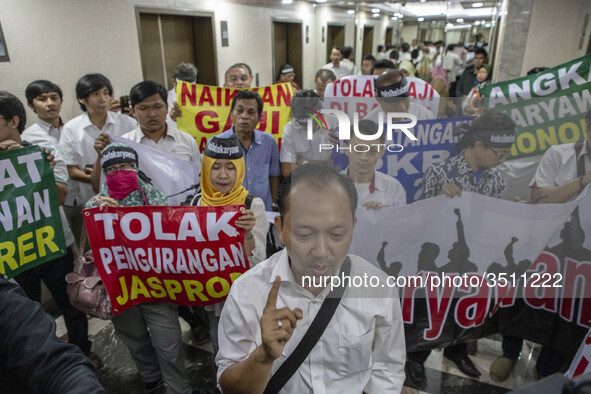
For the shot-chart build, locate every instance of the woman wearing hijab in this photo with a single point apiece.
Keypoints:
(151, 331)
(222, 174)
(442, 85)
(407, 68)
(287, 74)
(471, 102)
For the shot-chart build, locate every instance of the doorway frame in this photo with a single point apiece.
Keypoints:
(302, 38)
(177, 12)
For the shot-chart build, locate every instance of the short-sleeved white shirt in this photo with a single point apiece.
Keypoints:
(387, 191)
(362, 348)
(47, 136)
(559, 165)
(176, 143)
(340, 71)
(295, 143)
(77, 148)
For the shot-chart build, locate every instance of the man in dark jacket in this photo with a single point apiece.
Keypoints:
(468, 79)
(32, 358)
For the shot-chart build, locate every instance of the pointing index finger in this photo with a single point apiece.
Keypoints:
(272, 298)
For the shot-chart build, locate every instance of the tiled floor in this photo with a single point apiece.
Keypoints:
(118, 374)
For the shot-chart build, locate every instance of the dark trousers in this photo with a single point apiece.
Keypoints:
(452, 352)
(549, 360)
(53, 274)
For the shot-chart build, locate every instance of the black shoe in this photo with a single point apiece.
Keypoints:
(466, 365)
(200, 335)
(416, 372)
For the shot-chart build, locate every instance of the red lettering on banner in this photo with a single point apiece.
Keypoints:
(356, 93)
(275, 122)
(283, 96)
(412, 91)
(228, 123)
(186, 255)
(218, 96)
(192, 95)
(408, 301)
(263, 121)
(205, 96)
(588, 339)
(577, 273)
(202, 144)
(367, 90)
(542, 297)
(471, 310)
(362, 110)
(204, 126)
(229, 96)
(268, 97)
(335, 86)
(581, 367)
(438, 306)
(346, 87)
(279, 143)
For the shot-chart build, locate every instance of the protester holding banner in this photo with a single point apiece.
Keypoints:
(468, 79)
(367, 64)
(470, 103)
(238, 76)
(287, 74)
(222, 175)
(393, 96)
(52, 272)
(484, 145)
(347, 340)
(296, 148)
(151, 331)
(323, 78)
(261, 153)
(375, 189)
(564, 170)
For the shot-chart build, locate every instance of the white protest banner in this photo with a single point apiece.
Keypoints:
(582, 362)
(482, 245)
(176, 178)
(362, 86)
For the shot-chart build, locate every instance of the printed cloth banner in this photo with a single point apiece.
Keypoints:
(581, 363)
(206, 109)
(183, 255)
(435, 142)
(176, 178)
(470, 251)
(358, 86)
(32, 232)
(549, 107)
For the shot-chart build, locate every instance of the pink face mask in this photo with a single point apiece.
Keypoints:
(121, 183)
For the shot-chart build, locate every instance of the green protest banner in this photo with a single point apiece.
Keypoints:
(549, 107)
(31, 228)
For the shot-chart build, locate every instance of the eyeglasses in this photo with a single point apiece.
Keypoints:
(115, 167)
(500, 155)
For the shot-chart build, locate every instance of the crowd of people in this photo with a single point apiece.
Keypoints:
(262, 334)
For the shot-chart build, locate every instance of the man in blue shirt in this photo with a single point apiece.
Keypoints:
(261, 154)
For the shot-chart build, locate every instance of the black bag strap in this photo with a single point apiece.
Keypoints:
(580, 160)
(311, 337)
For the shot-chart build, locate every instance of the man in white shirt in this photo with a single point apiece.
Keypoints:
(452, 64)
(296, 148)
(375, 189)
(347, 62)
(335, 65)
(183, 72)
(148, 105)
(94, 93)
(362, 348)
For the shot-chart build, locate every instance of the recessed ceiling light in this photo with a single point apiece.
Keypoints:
(476, 23)
(460, 20)
(286, 1)
(477, 5)
(422, 1)
(420, 19)
(449, 25)
(351, 12)
(321, 1)
(394, 18)
(375, 10)
(487, 25)
(398, 14)
(376, 15)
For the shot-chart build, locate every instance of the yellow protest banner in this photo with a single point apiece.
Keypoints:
(206, 109)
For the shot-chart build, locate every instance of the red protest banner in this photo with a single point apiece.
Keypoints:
(184, 255)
